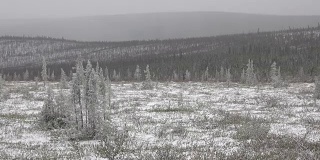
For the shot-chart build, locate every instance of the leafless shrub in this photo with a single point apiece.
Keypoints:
(113, 144)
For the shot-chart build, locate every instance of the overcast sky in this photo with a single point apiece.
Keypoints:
(74, 8)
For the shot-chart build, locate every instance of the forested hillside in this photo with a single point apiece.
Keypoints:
(296, 51)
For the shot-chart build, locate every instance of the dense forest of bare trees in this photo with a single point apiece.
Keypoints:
(295, 51)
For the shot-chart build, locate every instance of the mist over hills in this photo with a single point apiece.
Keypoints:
(153, 25)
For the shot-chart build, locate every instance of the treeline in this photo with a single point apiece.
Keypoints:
(296, 52)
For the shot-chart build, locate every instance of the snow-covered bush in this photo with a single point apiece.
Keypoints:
(113, 144)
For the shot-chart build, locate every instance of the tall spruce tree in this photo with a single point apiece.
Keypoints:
(114, 75)
(76, 102)
(48, 109)
(44, 75)
(129, 74)
(52, 76)
(137, 73)
(273, 72)
(63, 80)
(243, 76)
(88, 74)
(228, 77)
(26, 75)
(175, 76)
(251, 78)
(206, 74)
(187, 75)
(222, 74)
(316, 93)
(147, 84)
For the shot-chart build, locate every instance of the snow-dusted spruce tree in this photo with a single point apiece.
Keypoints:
(137, 73)
(206, 75)
(228, 76)
(97, 68)
(243, 76)
(62, 109)
(108, 87)
(109, 91)
(118, 76)
(114, 75)
(44, 75)
(217, 76)
(80, 72)
(251, 78)
(54, 115)
(222, 74)
(52, 76)
(77, 97)
(301, 75)
(279, 74)
(1, 83)
(47, 114)
(147, 84)
(273, 73)
(92, 104)
(19, 78)
(188, 76)
(26, 75)
(175, 76)
(102, 111)
(106, 72)
(36, 83)
(86, 97)
(101, 81)
(316, 94)
(63, 80)
(4, 77)
(103, 94)
(15, 77)
(129, 74)
(76, 102)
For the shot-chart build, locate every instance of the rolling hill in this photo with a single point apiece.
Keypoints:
(295, 51)
(153, 25)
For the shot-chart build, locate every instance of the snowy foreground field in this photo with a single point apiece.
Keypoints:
(175, 121)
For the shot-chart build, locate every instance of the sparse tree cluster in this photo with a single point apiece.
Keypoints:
(91, 98)
(88, 109)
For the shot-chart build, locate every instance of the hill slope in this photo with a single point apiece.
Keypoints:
(153, 25)
(293, 50)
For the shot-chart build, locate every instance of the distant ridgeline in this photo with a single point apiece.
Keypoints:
(296, 51)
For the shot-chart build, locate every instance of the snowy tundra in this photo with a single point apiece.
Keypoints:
(174, 121)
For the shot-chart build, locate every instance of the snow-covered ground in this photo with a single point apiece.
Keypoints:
(193, 119)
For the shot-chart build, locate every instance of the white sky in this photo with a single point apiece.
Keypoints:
(74, 8)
